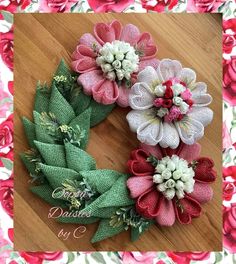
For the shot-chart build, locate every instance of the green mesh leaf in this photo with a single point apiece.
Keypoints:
(29, 165)
(29, 131)
(83, 102)
(105, 230)
(78, 220)
(57, 176)
(78, 160)
(52, 154)
(41, 131)
(45, 192)
(83, 122)
(60, 107)
(101, 180)
(118, 195)
(99, 112)
(42, 96)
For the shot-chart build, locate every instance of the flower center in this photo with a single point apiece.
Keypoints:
(174, 177)
(118, 60)
(173, 100)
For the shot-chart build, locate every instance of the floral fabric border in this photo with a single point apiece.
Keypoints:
(228, 9)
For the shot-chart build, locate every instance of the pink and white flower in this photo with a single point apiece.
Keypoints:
(104, 6)
(109, 60)
(169, 106)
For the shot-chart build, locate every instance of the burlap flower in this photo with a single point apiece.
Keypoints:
(169, 106)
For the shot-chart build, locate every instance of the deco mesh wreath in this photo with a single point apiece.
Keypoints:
(165, 181)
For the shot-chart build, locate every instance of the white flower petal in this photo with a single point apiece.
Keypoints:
(170, 136)
(136, 118)
(201, 99)
(148, 75)
(202, 114)
(168, 69)
(198, 87)
(150, 132)
(141, 97)
(187, 75)
(189, 130)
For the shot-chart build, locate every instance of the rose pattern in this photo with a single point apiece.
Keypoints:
(6, 195)
(6, 48)
(159, 6)
(165, 208)
(137, 257)
(103, 6)
(56, 6)
(39, 257)
(229, 29)
(227, 142)
(109, 60)
(13, 5)
(229, 80)
(186, 257)
(6, 133)
(204, 6)
(229, 226)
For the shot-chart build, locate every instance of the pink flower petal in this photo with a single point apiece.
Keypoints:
(190, 152)
(123, 99)
(130, 33)
(139, 185)
(148, 62)
(105, 92)
(89, 79)
(153, 150)
(202, 192)
(107, 32)
(146, 46)
(166, 216)
(89, 40)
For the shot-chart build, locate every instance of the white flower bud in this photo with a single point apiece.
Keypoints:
(178, 89)
(179, 185)
(171, 165)
(99, 60)
(116, 64)
(169, 194)
(120, 56)
(166, 174)
(177, 174)
(161, 187)
(162, 112)
(157, 178)
(180, 194)
(177, 100)
(170, 183)
(185, 177)
(106, 67)
(160, 168)
(159, 90)
(184, 107)
(120, 74)
(111, 75)
(109, 57)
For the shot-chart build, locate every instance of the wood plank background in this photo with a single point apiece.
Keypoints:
(41, 40)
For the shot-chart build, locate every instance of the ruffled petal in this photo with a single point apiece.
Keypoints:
(107, 32)
(139, 185)
(190, 152)
(166, 216)
(198, 88)
(130, 33)
(136, 118)
(204, 171)
(150, 132)
(105, 92)
(169, 69)
(89, 79)
(141, 97)
(203, 115)
(187, 76)
(190, 130)
(186, 209)
(123, 99)
(149, 62)
(89, 40)
(201, 99)
(203, 193)
(153, 150)
(170, 136)
(148, 204)
(146, 46)
(148, 76)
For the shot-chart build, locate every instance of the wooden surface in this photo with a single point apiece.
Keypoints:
(41, 40)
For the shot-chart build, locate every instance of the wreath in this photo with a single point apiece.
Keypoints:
(166, 179)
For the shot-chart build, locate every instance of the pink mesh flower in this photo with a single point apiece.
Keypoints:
(165, 191)
(108, 60)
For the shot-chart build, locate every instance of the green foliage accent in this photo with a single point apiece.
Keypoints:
(153, 160)
(42, 98)
(29, 128)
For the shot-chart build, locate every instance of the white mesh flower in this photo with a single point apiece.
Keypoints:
(169, 106)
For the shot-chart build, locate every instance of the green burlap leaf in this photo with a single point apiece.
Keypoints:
(57, 176)
(83, 102)
(62, 69)
(42, 97)
(105, 230)
(45, 192)
(78, 160)
(135, 234)
(118, 195)
(99, 112)
(29, 128)
(29, 165)
(52, 154)
(78, 220)
(41, 131)
(101, 180)
(83, 122)
(60, 107)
